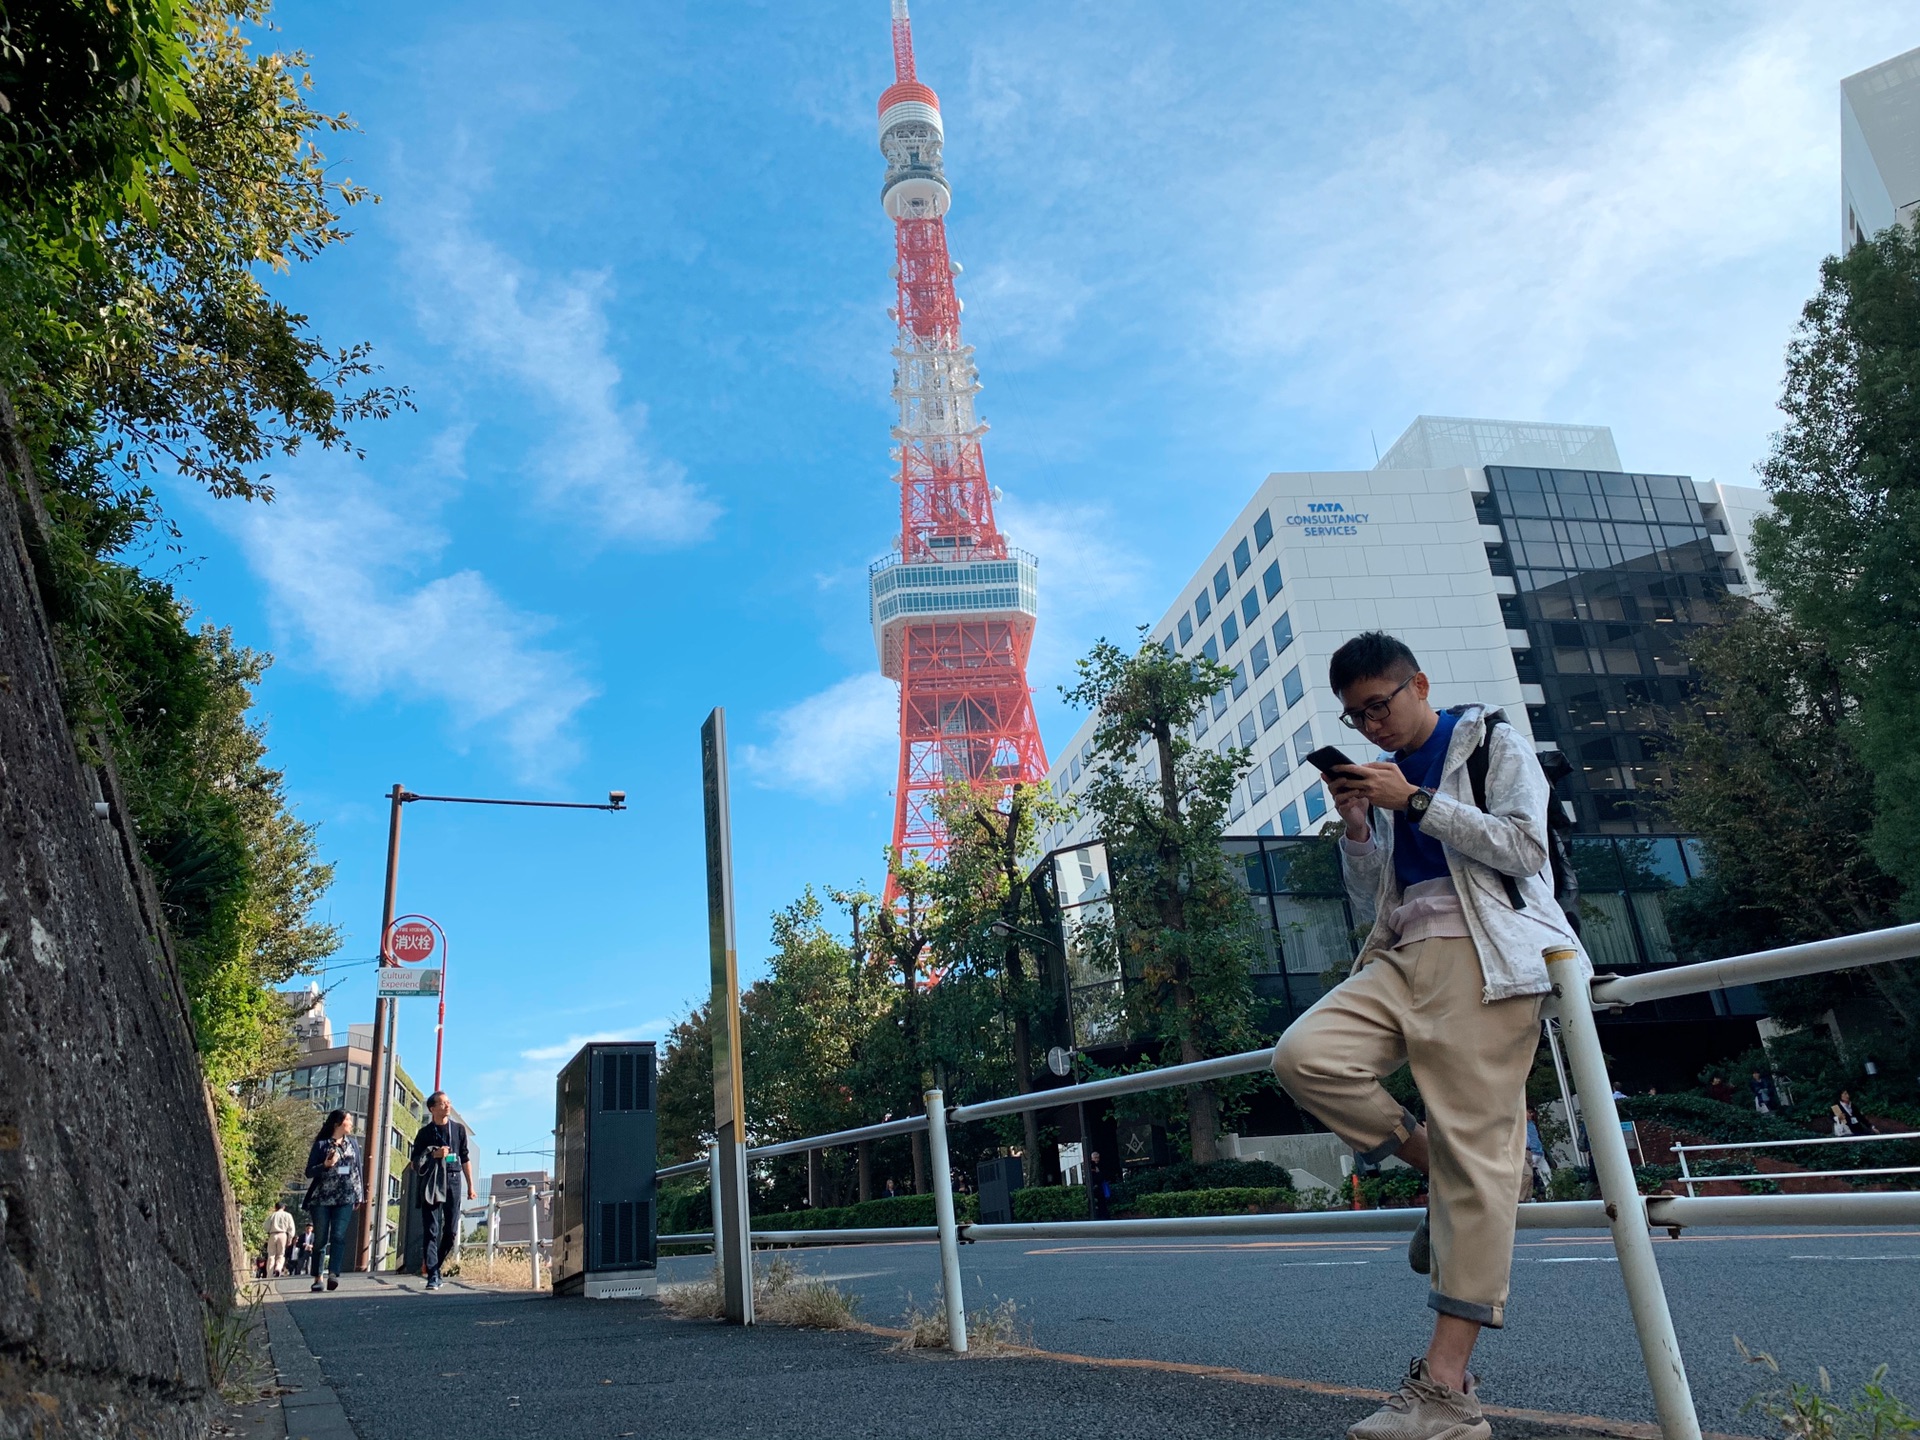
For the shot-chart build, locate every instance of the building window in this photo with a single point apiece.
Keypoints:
(1258, 655)
(1269, 710)
(1239, 679)
(1271, 579)
(1219, 704)
(1229, 631)
(1278, 766)
(1202, 608)
(1292, 687)
(1289, 819)
(1316, 801)
(1250, 606)
(1186, 627)
(1249, 730)
(1200, 723)
(1226, 747)
(1257, 784)
(1263, 531)
(1073, 771)
(1238, 806)
(1282, 634)
(1221, 583)
(1303, 743)
(1242, 558)
(1211, 649)
(1266, 828)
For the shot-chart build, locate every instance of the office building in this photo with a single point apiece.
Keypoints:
(1879, 148)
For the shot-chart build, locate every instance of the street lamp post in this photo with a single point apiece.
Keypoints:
(380, 1077)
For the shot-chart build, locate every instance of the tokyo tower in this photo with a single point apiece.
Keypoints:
(954, 607)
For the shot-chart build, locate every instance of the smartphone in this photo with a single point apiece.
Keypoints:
(1328, 758)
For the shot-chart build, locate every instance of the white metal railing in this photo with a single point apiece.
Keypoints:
(492, 1209)
(1689, 1179)
(1621, 1208)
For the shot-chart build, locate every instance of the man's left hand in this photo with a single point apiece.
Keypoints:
(1380, 784)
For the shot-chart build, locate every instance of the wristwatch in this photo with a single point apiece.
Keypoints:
(1418, 802)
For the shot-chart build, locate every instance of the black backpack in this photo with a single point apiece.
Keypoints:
(1555, 766)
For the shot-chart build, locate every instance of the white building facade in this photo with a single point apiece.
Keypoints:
(1519, 582)
(1879, 148)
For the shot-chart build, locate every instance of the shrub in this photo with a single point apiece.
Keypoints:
(1229, 1200)
(900, 1210)
(1320, 1198)
(1186, 1175)
(1392, 1187)
(1569, 1183)
(1043, 1203)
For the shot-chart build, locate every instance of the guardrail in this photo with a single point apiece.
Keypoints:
(492, 1209)
(1621, 1208)
(1689, 1179)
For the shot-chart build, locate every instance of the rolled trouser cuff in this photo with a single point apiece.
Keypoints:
(1491, 1316)
(1402, 1133)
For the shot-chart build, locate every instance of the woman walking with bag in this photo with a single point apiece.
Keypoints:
(333, 1164)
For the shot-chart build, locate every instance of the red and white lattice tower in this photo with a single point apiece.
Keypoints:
(954, 608)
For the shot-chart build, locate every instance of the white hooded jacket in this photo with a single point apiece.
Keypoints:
(1509, 838)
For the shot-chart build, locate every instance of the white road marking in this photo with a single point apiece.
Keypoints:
(1854, 1257)
(853, 1275)
(1576, 1260)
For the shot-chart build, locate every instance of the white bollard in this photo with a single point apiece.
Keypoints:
(493, 1230)
(943, 1217)
(1626, 1209)
(533, 1235)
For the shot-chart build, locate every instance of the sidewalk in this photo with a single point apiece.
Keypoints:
(380, 1360)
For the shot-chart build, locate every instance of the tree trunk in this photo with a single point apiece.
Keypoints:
(1203, 1109)
(864, 1164)
(1023, 1068)
(816, 1181)
(920, 1162)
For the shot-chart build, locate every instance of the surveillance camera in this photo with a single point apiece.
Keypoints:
(617, 797)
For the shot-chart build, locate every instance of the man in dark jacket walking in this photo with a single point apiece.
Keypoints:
(439, 1159)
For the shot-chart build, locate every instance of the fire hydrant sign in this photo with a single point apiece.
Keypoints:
(412, 942)
(395, 980)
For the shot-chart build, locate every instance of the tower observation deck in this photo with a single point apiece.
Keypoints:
(954, 607)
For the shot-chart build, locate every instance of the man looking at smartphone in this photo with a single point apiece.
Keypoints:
(439, 1156)
(1450, 980)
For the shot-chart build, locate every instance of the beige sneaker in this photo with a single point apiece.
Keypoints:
(1424, 1409)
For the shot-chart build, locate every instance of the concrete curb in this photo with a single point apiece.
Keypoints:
(313, 1411)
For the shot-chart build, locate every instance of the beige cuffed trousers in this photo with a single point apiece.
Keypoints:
(1420, 1005)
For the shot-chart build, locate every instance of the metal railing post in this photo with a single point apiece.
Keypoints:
(713, 1202)
(943, 1218)
(1686, 1175)
(1626, 1210)
(493, 1229)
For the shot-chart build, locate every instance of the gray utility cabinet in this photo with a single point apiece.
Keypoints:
(998, 1180)
(603, 1206)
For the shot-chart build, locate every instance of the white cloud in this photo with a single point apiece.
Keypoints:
(567, 1048)
(1092, 583)
(354, 614)
(830, 745)
(550, 335)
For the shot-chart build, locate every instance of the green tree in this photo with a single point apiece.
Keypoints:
(1841, 552)
(982, 881)
(1180, 920)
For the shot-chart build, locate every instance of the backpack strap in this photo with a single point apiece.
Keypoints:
(1477, 764)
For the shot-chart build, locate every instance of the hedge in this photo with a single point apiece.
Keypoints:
(1040, 1203)
(887, 1214)
(1227, 1200)
(1185, 1175)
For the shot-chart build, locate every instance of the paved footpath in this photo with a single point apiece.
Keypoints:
(384, 1361)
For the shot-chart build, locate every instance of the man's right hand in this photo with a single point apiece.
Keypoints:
(1353, 808)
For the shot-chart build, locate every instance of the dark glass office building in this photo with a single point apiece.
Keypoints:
(1611, 572)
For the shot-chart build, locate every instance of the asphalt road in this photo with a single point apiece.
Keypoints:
(1350, 1312)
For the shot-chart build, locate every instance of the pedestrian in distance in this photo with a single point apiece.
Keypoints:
(279, 1236)
(335, 1191)
(1099, 1188)
(1447, 844)
(301, 1252)
(1718, 1089)
(439, 1159)
(1537, 1162)
(1762, 1088)
(890, 1192)
(1846, 1119)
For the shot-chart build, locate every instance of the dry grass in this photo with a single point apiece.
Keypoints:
(783, 1294)
(236, 1346)
(509, 1270)
(990, 1331)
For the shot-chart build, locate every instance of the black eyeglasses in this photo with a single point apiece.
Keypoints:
(1374, 711)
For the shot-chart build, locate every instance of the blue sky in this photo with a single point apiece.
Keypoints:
(631, 261)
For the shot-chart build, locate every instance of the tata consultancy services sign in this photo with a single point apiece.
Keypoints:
(1324, 519)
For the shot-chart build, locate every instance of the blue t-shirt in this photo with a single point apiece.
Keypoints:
(1415, 856)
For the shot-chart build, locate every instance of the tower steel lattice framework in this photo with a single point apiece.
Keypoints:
(954, 608)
